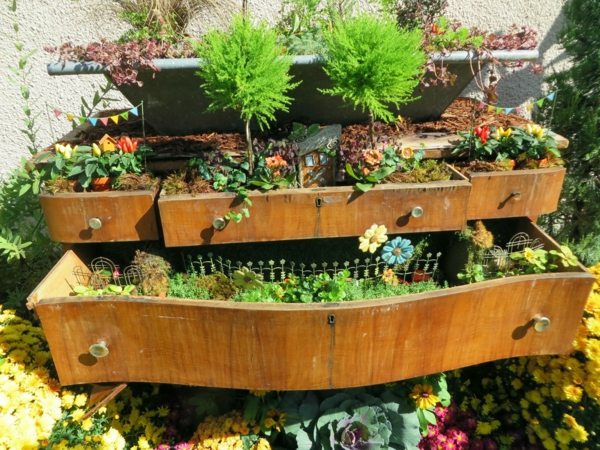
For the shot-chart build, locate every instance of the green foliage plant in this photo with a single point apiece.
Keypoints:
(302, 23)
(541, 261)
(447, 36)
(300, 27)
(373, 64)
(26, 252)
(531, 147)
(20, 77)
(110, 289)
(163, 20)
(375, 166)
(325, 288)
(244, 69)
(186, 286)
(576, 115)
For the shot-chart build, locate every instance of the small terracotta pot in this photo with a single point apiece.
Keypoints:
(420, 275)
(100, 184)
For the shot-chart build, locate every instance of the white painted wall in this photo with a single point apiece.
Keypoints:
(51, 22)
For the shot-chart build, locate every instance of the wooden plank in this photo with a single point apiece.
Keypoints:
(317, 346)
(123, 216)
(516, 193)
(61, 279)
(100, 396)
(312, 213)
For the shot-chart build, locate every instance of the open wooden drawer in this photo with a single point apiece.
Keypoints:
(306, 346)
(514, 193)
(112, 216)
(316, 212)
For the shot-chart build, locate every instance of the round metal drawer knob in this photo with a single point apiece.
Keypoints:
(95, 223)
(99, 349)
(515, 196)
(417, 212)
(541, 323)
(219, 223)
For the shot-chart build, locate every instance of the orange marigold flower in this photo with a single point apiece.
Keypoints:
(275, 162)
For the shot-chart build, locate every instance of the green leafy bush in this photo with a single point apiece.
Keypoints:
(163, 20)
(576, 115)
(373, 64)
(244, 69)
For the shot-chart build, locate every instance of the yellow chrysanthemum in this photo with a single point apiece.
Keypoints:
(572, 393)
(78, 414)
(593, 326)
(592, 349)
(372, 239)
(579, 433)
(80, 400)
(87, 424)
(563, 436)
(549, 444)
(483, 428)
(516, 384)
(423, 396)
(593, 303)
(534, 396)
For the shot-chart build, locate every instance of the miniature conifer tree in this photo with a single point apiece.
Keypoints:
(373, 64)
(244, 69)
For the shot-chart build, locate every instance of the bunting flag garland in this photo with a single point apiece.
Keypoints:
(519, 109)
(135, 111)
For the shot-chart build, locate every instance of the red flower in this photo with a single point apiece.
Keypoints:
(127, 145)
(483, 133)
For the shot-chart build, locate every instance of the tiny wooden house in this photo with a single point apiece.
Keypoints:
(107, 144)
(316, 157)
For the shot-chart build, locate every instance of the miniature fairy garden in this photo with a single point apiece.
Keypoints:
(303, 264)
(243, 70)
(324, 229)
(379, 266)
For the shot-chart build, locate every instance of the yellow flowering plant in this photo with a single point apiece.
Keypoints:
(549, 402)
(530, 147)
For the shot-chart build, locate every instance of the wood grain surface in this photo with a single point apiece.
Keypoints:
(518, 193)
(125, 216)
(308, 346)
(312, 213)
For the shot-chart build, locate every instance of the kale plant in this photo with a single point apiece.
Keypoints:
(351, 420)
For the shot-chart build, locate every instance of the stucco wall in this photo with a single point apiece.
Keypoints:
(51, 22)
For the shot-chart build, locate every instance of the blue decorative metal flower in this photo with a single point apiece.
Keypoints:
(397, 251)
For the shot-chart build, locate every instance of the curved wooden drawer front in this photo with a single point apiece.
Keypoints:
(289, 347)
(516, 193)
(311, 213)
(117, 216)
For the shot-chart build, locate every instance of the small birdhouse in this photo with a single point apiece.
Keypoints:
(107, 144)
(317, 157)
